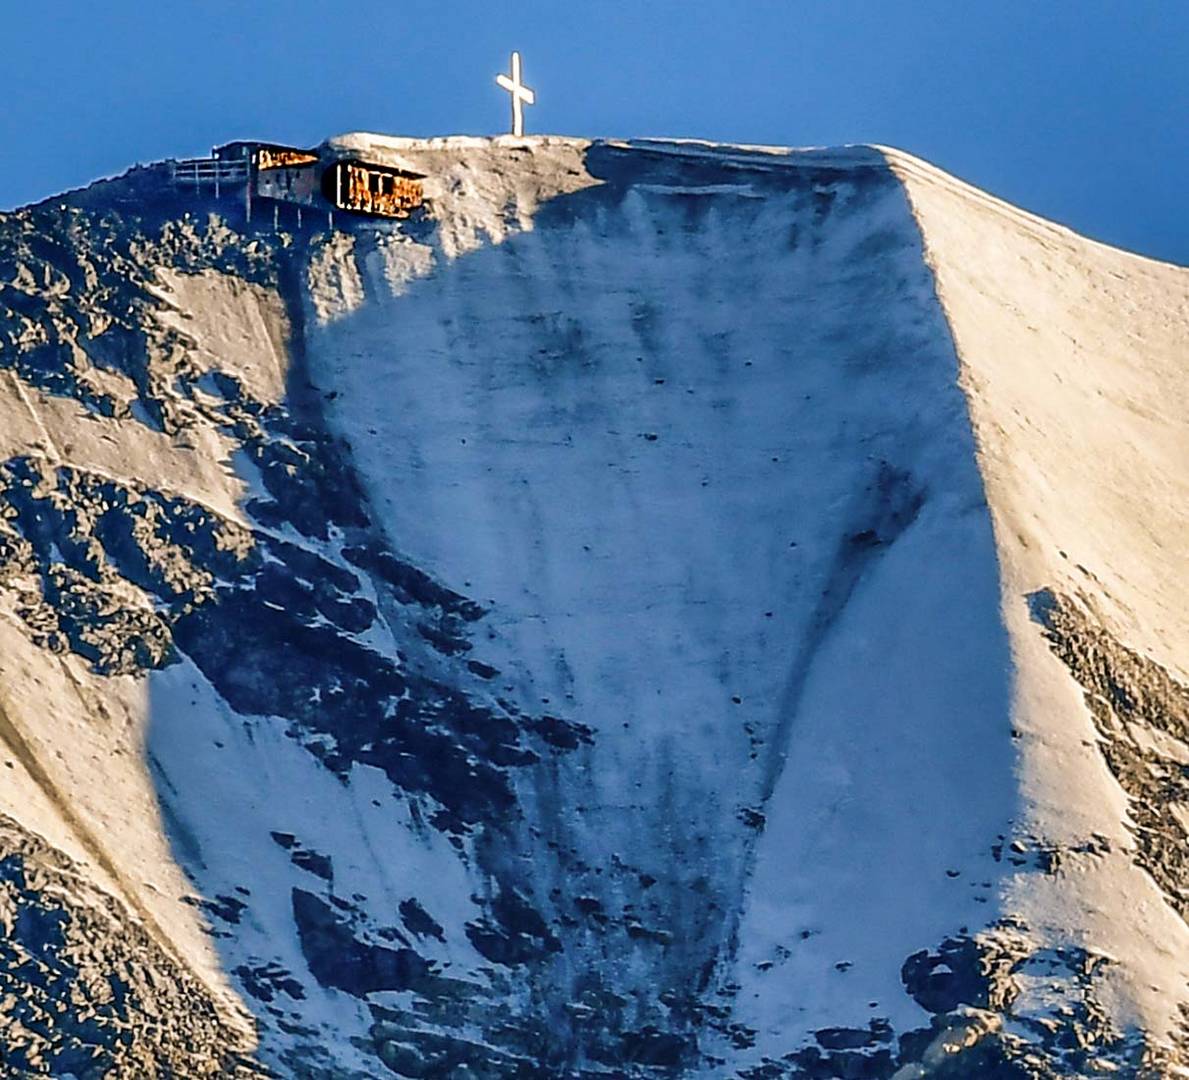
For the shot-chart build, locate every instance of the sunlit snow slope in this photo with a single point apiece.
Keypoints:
(666, 609)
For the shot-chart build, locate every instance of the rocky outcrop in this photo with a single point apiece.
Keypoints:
(1141, 715)
(87, 991)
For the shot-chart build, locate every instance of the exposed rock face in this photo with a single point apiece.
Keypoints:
(594, 628)
(87, 991)
(1141, 715)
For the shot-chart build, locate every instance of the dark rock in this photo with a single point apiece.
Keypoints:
(1136, 706)
(940, 982)
(514, 933)
(313, 862)
(87, 990)
(752, 818)
(411, 586)
(662, 1049)
(338, 959)
(562, 734)
(844, 1038)
(484, 671)
(265, 981)
(418, 921)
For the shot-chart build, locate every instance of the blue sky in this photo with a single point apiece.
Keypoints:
(1077, 109)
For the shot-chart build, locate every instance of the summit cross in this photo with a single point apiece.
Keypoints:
(521, 94)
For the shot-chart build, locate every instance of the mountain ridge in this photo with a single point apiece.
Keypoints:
(719, 407)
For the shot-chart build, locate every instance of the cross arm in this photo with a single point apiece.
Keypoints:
(522, 92)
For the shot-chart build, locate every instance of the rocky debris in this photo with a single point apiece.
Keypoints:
(78, 302)
(1142, 717)
(129, 577)
(418, 921)
(415, 1052)
(513, 933)
(86, 991)
(560, 734)
(122, 575)
(410, 585)
(751, 817)
(103, 568)
(338, 958)
(312, 861)
(265, 981)
(225, 908)
(983, 992)
(953, 975)
(658, 1049)
(1047, 856)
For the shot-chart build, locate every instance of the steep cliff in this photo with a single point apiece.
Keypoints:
(664, 609)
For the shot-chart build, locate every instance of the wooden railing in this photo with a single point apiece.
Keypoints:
(198, 171)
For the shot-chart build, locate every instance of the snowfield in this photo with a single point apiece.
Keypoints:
(669, 609)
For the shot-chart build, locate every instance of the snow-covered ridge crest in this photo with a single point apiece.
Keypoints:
(1072, 360)
(652, 610)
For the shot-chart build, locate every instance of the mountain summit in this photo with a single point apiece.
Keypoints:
(537, 607)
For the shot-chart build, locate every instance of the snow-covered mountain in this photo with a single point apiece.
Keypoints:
(661, 610)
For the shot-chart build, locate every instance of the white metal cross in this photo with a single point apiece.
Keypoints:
(521, 94)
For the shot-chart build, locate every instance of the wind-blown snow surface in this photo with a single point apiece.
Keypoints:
(634, 618)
